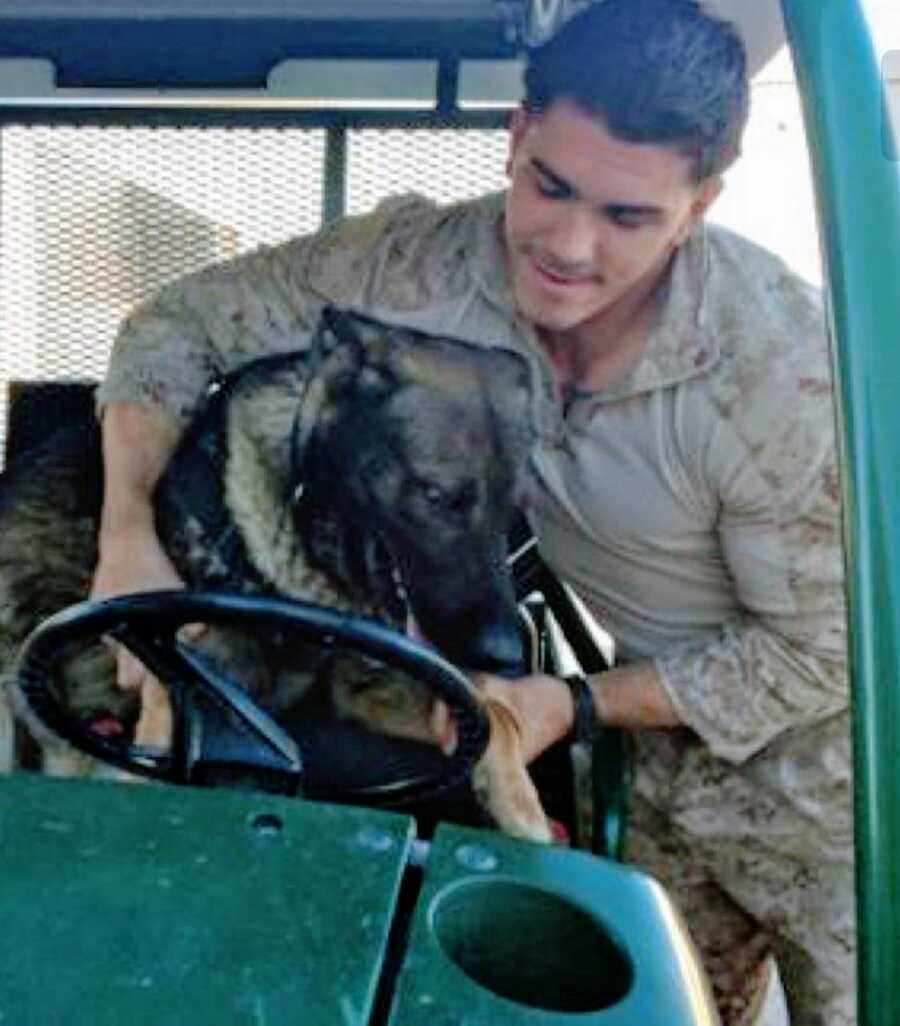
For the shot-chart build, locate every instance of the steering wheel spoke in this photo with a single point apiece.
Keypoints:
(183, 668)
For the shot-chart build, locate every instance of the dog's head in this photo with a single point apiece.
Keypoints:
(419, 442)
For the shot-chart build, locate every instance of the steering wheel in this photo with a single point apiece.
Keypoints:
(220, 734)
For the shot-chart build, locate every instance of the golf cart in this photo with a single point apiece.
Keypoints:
(197, 905)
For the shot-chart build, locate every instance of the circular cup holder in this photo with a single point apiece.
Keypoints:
(530, 946)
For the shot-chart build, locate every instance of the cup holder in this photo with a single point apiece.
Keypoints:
(530, 946)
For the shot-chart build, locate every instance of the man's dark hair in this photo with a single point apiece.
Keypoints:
(655, 71)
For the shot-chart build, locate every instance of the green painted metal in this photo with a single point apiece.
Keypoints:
(514, 933)
(858, 194)
(149, 905)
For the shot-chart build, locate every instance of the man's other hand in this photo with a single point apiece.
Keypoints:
(135, 562)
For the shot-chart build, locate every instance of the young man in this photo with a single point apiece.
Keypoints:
(684, 481)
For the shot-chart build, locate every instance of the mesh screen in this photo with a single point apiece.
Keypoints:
(94, 219)
(446, 164)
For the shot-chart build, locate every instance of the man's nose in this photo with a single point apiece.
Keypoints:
(573, 243)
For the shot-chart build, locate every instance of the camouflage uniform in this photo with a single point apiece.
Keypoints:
(694, 506)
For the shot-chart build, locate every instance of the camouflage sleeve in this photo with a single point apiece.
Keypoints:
(780, 663)
(172, 346)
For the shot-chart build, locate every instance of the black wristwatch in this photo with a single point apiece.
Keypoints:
(584, 722)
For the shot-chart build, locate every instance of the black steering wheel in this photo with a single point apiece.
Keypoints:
(220, 734)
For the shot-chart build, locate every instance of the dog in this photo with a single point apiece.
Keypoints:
(373, 471)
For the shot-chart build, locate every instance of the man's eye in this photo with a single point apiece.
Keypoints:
(628, 219)
(551, 190)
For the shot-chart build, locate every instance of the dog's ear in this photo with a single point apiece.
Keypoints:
(348, 359)
(334, 334)
(336, 328)
(352, 355)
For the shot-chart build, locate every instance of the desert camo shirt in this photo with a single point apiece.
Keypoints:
(694, 506)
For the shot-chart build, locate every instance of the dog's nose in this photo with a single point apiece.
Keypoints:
(498, 648)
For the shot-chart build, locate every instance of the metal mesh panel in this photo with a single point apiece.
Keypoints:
(445, 164)
(94, 219)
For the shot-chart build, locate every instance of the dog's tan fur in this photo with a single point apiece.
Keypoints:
(457, 418)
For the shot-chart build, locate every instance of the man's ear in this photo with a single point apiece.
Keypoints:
(519, 124)
(705, 194)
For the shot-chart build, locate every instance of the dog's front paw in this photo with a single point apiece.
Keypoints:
(513, 803)
(502, 783)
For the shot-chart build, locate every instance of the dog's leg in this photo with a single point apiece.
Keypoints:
(500, 779)
(62, 760)
(502, 782)
(384, 700)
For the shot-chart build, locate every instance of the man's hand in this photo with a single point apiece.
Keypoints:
(629, 696)
(132, 562)
(136, 562)
(542, 707)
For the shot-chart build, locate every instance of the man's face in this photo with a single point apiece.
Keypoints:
(591, 219)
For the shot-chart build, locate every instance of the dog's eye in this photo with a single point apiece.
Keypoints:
(456, 500)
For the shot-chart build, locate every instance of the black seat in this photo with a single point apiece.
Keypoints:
(37, 408)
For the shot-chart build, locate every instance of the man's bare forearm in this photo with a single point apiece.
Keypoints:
(628, 696)
(137, 444)
(633, 696)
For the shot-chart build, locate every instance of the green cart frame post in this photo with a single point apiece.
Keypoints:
(857, 180)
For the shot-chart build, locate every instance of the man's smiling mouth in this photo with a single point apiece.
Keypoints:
(554, 276)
